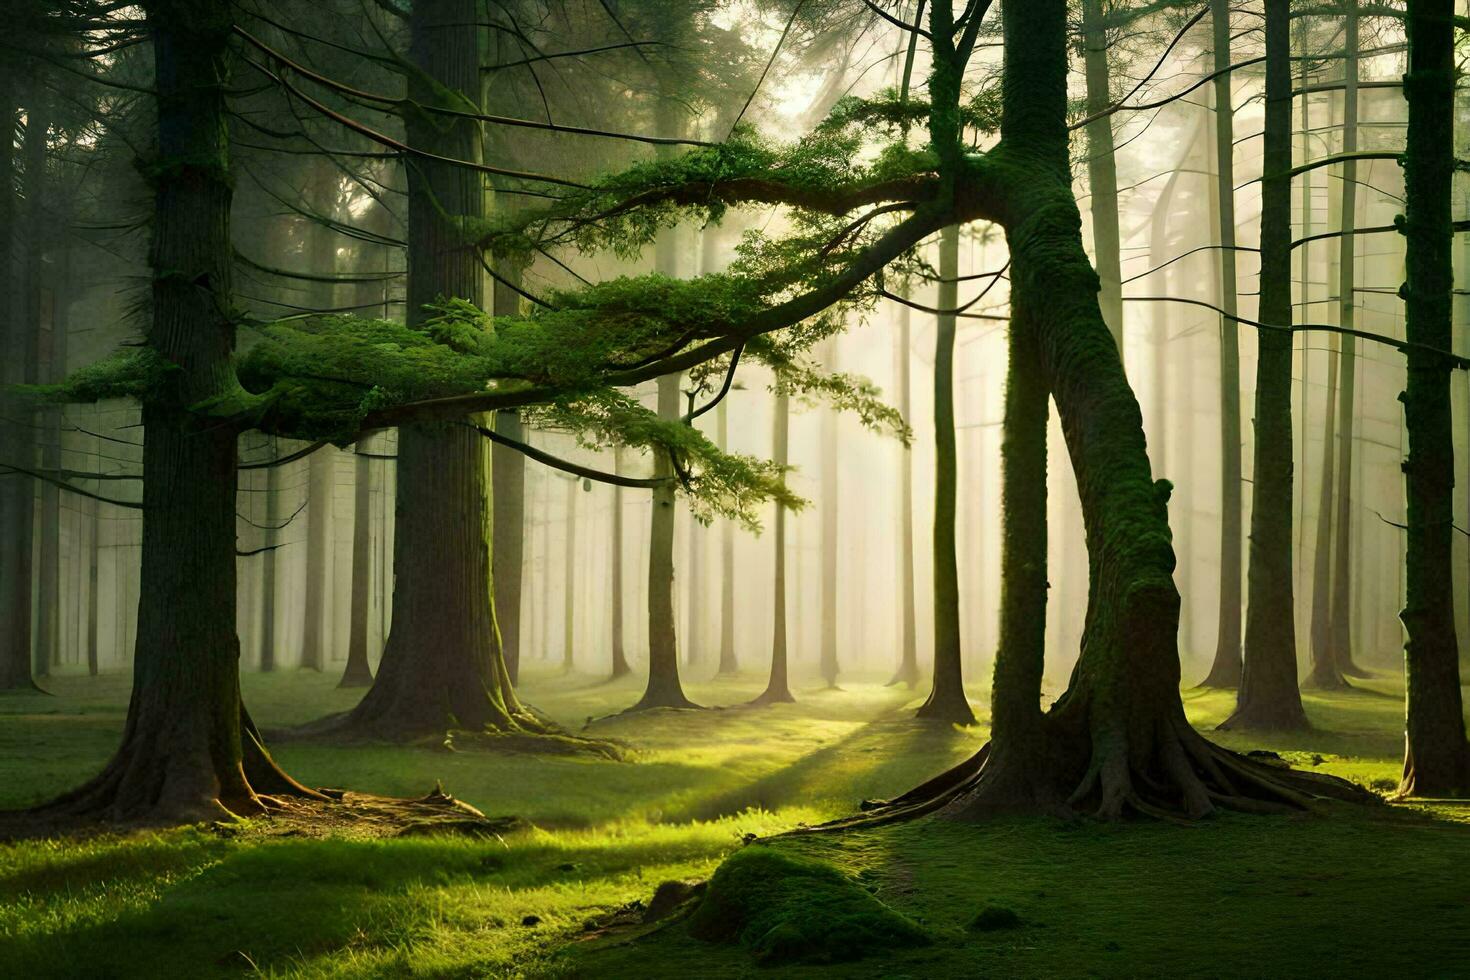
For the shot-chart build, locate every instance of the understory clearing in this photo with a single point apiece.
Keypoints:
(1278, 894)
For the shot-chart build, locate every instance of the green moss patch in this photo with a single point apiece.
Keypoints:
(793, 910)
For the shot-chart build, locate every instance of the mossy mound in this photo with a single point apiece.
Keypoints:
(786, 909)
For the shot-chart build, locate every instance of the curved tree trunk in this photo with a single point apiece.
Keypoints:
(778, 688)
(1225, 671)
(946, 701)
(189, 751)
(1269, 697)
(1436, 757)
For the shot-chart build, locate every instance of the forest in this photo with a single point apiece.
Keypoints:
(731, 488)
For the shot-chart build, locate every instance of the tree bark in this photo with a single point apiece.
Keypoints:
(946, 701)
(1102, 170)
(1226, 669)
(1436, 757)
(778, 688)
(508, 486)
(189, 750)
(1269, 698)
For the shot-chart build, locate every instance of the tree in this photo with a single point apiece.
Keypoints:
(946, 701)
(908, 658)
(830, 496)
(358, 673)
(1225, 671)
(728, 662)
(620, 665)
(1269, 698)
(778, 688)
(1436, 756)
(1102, 167)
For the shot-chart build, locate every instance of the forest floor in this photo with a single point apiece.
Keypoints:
(1371, 893)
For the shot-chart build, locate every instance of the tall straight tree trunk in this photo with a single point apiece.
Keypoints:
(569, 576)
(1324, 675)
(946, 701)
(189, 750)
(830, 495)
(42, 321)
(268, 563)
(1102, 170)
(728, 662)
(322, 465)
(358, 672)
(1225, 671)
(1341, 636)
(619, 649)
(664, 689)
(17, 491)
(1269, 698)
(778, 688)
(442, 667)
(508, 486)
(93, 554)
(1436, 757)
(908, 662)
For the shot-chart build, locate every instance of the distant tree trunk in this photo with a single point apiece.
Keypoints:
(93, 553)
(270, 541)
(17, 491)
(442, 667)
(322, 466)
(1324, 675)
(908, 662)
(569, 573)
(189, 750)
(358, 673)
(508, 486)
(946, 701)
(778, 688)
(728, 663)
(41, 302)
(1225, 671)
(1436, 757)
(1102, 170)
(830, 496)
(664, 689)
(619, 650)
(1269, 698)
(1341, 638)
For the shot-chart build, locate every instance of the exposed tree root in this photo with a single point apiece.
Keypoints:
(772, 696)
(525, 733)
(1179, 776)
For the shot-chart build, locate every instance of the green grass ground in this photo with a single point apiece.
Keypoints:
(1378, 894)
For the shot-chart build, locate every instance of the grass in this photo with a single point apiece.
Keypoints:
(1369, 893)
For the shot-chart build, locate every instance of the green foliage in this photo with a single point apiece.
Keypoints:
(787, 909)
(135, 373)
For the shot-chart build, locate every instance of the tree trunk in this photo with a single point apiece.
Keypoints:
(1225, 671)
(664, 689)
(42, 322)
(1102, 170)
(946, 701)
(189, 750)
(1342, 574)
(728, 662)
(1117, 739)
(442, 667)
(1269, 698)
(778, 689)
(1436, 757)
(830, 496)
(508, 487)
(908, 663)
(1324, 675)
(358, 673)
(316, 634)
(569, 575)
(17, 491)
(270, 541)
(619, 650)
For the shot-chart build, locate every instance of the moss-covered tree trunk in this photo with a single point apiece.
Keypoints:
(908, 638)
(1225, 670)
(442, 667)
(946, 701)
(358, 672)
(778, 688)
(664, 689)
(1269, 698)
(1436, 757)
(189, 750)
